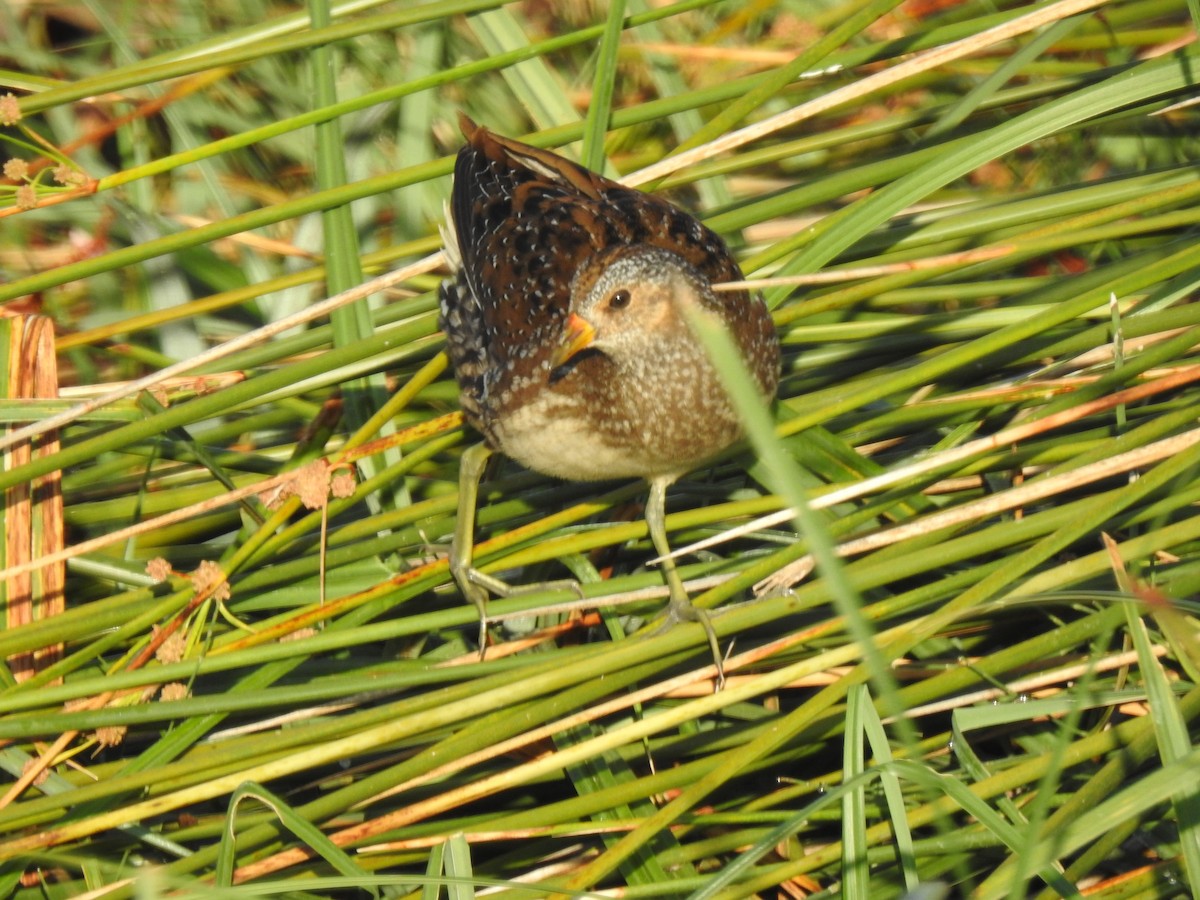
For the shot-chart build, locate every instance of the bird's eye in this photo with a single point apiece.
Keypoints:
(619, 300)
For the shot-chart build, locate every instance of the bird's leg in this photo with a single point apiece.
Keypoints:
(680, 608)
(474, 584)
(462, 544)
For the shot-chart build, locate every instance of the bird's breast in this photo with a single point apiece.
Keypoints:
(599, 423)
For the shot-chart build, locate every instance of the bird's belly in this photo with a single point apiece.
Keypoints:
(553, 437)
(567, 447)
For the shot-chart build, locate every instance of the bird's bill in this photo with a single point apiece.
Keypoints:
(577, 336)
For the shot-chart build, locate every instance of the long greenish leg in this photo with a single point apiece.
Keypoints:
(477, 586)
(462, 544)
(680, 608)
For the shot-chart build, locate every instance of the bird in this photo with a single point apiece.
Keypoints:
(564, 319)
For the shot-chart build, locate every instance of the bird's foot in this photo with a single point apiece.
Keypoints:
(681, 609)
(477, 586)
